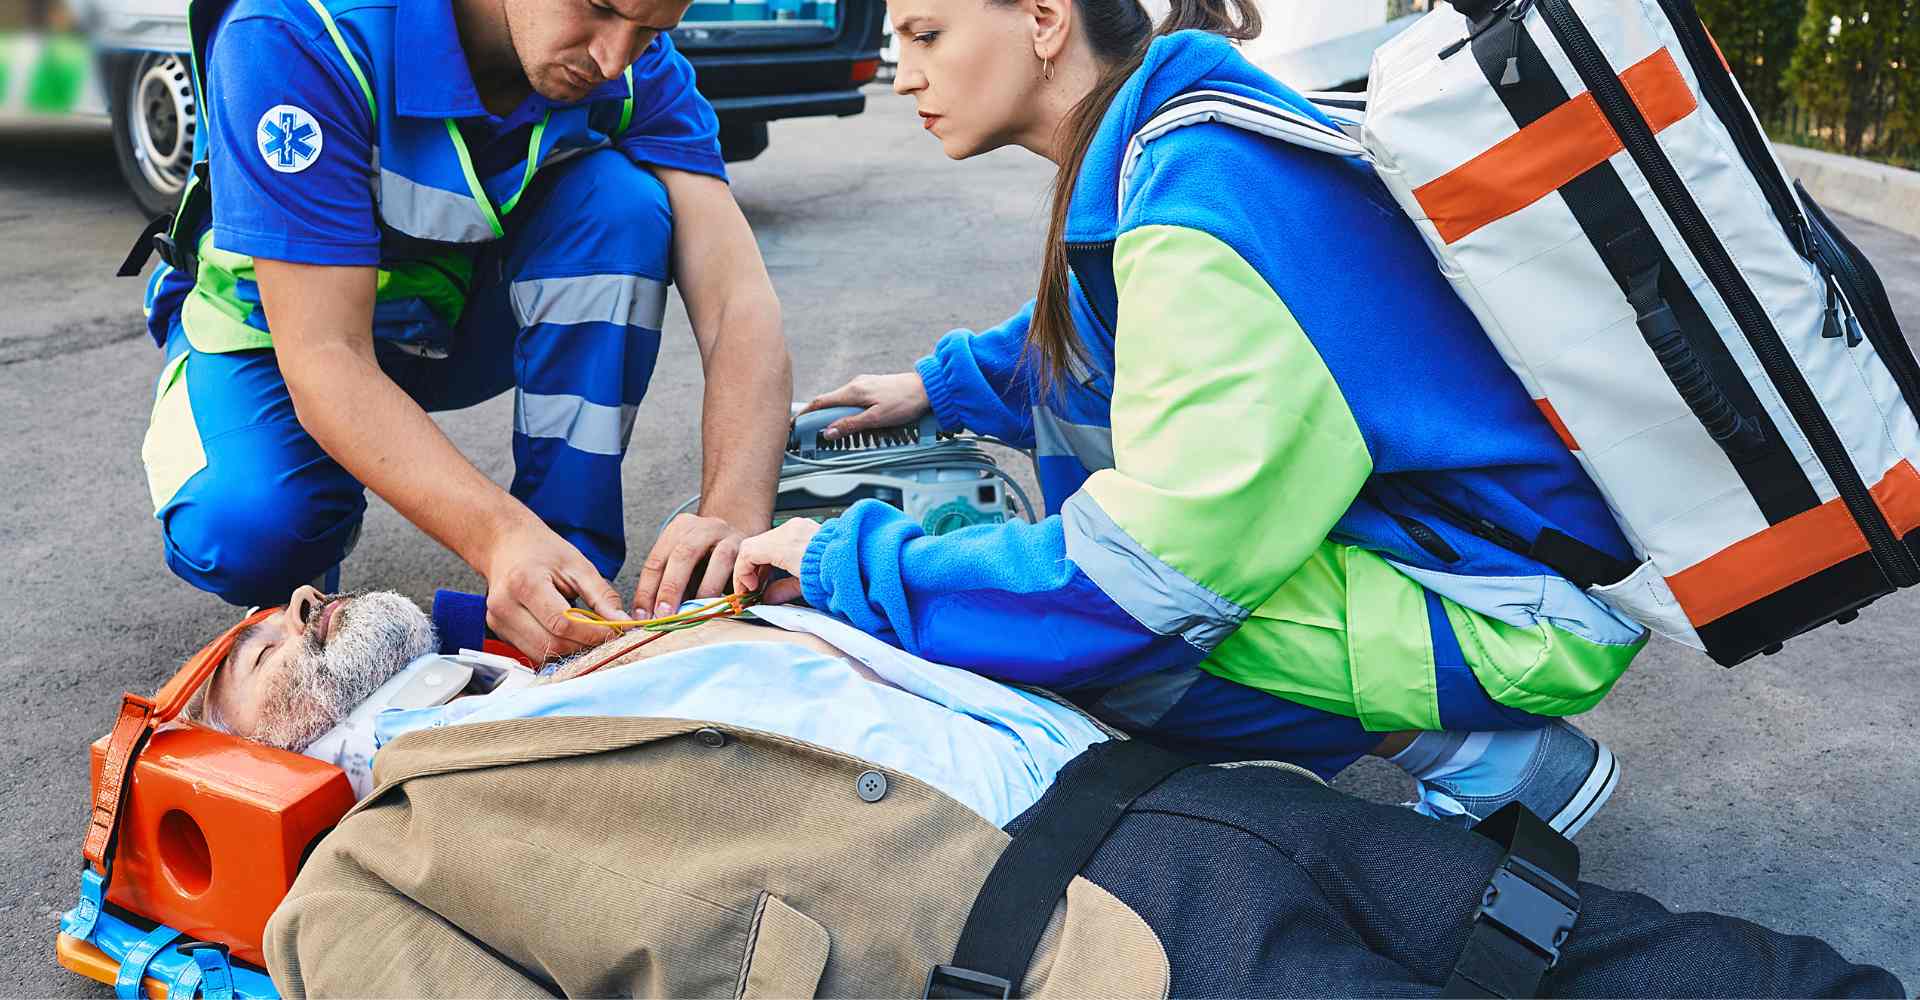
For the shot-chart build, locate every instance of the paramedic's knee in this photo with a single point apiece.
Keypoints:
(601, 213)
(250, 533)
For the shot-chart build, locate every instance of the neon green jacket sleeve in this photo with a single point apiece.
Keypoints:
(1234, 450)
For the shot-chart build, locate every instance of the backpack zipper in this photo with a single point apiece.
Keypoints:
(1861, 294)
(1511, 10)
(1896, 563)
(1719, 88)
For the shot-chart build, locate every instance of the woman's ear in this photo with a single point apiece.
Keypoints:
(1052, 26)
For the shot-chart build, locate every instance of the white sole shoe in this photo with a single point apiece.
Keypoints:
(1593, 794)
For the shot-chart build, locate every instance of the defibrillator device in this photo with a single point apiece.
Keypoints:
(945, 481)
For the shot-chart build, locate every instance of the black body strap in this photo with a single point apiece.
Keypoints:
(1017, 900)
(143, 247)
(172, 236)
(1527, 912)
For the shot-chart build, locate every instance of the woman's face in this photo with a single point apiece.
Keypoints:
(971, 67)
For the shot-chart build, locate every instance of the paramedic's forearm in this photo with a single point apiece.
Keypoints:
(749, 385)
(744, 420)
(382, 436)
(736, 322)
(323, 342)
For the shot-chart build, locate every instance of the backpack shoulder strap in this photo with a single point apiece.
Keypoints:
(173, 235)
(1198, 107)
(1347, 110)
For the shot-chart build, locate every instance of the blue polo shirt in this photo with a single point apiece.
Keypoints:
(291, 141)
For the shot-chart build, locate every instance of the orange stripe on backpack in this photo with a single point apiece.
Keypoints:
(1543, 157)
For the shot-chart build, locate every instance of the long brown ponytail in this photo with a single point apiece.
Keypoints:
(1119, 32)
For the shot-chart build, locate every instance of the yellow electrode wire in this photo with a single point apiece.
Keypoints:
(724, 607)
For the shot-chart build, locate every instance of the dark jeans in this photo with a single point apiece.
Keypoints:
(1261, 882)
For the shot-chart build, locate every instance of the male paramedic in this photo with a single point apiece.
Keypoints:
(403, 207)
(851, 781)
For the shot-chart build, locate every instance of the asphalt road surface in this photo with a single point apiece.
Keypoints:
(1782, 791)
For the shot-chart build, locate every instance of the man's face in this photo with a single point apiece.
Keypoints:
(295, 675)
(568, 47)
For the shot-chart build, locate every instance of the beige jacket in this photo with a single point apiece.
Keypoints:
(661, 857)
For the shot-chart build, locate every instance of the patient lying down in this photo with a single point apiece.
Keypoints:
(337, 677)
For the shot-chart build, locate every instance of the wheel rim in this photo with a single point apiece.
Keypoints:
(163, 122)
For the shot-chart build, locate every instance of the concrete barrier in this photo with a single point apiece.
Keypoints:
(1887, 195)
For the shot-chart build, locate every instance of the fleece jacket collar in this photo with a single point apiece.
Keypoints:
(1175, 64)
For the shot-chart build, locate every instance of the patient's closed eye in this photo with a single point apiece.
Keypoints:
(260, 653)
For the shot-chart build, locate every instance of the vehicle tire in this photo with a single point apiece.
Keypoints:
(154, 120)
(742, 140)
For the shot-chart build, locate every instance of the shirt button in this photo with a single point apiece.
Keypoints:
(872, 786)
(711, 737)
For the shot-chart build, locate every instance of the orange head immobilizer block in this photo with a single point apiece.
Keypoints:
(213, 830)
(200, 830)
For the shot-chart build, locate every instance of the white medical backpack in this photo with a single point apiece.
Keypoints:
(1721, 358)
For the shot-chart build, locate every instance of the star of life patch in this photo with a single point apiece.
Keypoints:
(289, 138)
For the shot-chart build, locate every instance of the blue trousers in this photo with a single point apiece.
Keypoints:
(565, 310)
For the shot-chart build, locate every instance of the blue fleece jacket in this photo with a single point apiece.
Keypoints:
(1267, 473)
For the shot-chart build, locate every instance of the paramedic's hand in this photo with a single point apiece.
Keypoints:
(693, 550)
(889, 400)
(532, 575)
(782, 548)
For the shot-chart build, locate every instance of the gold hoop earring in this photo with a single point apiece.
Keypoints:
(1046, 68)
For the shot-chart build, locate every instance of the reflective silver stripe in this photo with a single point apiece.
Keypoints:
(1141, 704)
(430, 213)
(1093, 446)
(1154, 593)
(1530, 602)
(626, 299)
(585, 426)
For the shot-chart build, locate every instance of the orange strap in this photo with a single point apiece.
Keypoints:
(139, 717)
(1548, 154)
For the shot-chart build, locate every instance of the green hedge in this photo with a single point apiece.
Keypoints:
(1842, 75)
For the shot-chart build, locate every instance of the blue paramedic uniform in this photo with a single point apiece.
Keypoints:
(526, 252)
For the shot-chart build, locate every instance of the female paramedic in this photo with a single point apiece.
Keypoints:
(1291, 486)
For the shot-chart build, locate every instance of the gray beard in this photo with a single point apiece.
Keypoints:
(375, 636)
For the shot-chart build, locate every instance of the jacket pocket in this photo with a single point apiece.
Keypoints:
(786, 952)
